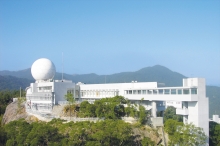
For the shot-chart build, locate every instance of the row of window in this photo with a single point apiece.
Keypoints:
(72, 92)
(99, 93)
(39, 98)
(45, 89)
(163, 91)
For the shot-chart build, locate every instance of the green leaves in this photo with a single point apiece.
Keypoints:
(70, 98)
(170, 113)
(142, 114)
(180, 134)
(214, 134)
(56, 133)
(17, 132)
(108, 108)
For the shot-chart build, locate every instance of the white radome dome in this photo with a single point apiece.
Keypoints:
(43, 69)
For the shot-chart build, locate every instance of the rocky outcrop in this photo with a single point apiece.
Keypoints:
(13, 112)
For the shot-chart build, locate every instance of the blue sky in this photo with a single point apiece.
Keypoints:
(106, 37)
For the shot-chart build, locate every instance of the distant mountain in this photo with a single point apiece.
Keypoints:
(13, 83)
(157, 73)
(26, 73)
(149, 74)
(213, 93)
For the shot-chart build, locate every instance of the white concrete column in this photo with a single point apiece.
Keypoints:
(154, 109)
(185, 117)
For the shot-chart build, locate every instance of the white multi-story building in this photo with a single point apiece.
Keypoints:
(189, 99)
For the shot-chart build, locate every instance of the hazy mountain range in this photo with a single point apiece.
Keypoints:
(149, 74)
(23, 78)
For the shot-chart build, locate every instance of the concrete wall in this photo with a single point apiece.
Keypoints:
(60, 89)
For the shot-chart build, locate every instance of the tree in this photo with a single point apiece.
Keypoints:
(110, 108)
(71, 100)
(20, 101)
(43, 134)
(3, 136)
(183, 135)
(170, 127)
(142, 114)
(146, 141)
(87, 109)
(170, 113)
(214, 134)
(17, 132)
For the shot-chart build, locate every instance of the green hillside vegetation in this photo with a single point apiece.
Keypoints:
(111, 131)
(26, 73)
(6, 97)
(107, 108)
(184, 134)
(214, 134)
(170, 113)
(213, 93)
(58, 132)
(179, 133)
(13, 83)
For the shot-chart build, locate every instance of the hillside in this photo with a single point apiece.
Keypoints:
(149, 74)
(213, 93)
(156, 73)
(26, 73)
(13, 83)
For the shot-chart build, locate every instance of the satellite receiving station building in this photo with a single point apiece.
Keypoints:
(190, 99)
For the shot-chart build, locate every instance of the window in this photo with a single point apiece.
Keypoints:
(139, 91)
(193, 91)
(134, 91)
(173, 91)
(154, 91)
(166, 91)
(149, 91)
(70, 91)
(143, 91)
(160, 91)
(130, 91)
(179, 91)
(117, 93)
(185, 91)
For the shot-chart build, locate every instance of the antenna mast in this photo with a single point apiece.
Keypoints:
(62, 66)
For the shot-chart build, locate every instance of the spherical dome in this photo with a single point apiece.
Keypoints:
(43, 69)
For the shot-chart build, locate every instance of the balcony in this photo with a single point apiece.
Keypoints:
(180, 111)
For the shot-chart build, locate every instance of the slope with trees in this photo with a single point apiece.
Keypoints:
(57, 132)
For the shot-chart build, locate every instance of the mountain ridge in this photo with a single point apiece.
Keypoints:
(156, 73)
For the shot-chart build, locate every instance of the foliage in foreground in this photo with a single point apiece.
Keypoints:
(170, 113)
(6, 97)
(112, 108)
(56, 132)
(182, 135)
(214, 134)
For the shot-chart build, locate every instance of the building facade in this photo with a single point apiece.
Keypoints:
(190, 99)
